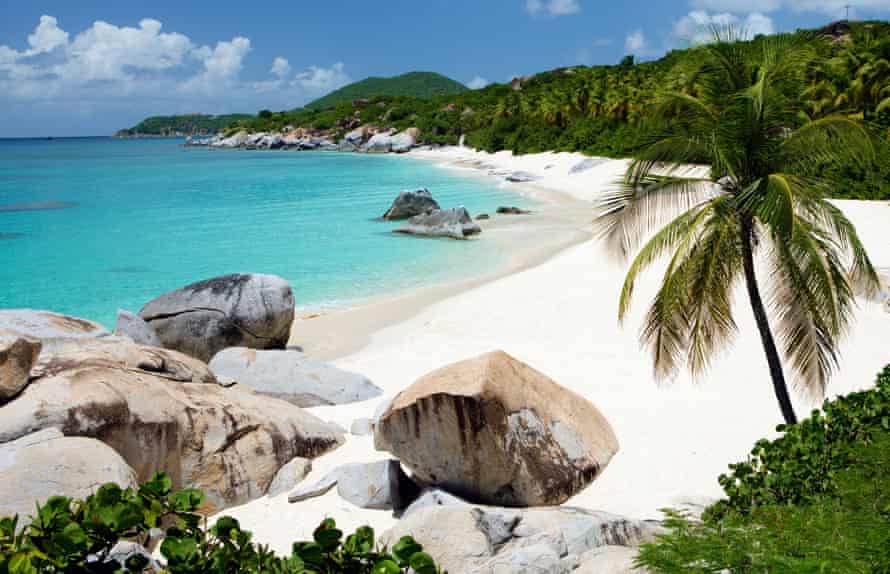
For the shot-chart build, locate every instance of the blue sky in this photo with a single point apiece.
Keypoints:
(89, 67)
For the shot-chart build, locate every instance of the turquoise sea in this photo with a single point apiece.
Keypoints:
(90, 225)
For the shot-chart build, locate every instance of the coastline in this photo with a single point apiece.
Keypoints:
(559, 316)
(561, 221)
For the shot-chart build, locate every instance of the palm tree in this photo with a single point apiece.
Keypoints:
(757, 209)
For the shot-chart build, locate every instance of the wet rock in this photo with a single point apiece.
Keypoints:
(411, 203)
(512, 210)
(455, 223)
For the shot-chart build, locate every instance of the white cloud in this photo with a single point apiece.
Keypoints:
(280, 68)
(477, 83)
(698, 26)
(139, 71)
(47, 36)
(108, 52)
(323, 79)
(635, 42)
(736, 6)
(552, 7)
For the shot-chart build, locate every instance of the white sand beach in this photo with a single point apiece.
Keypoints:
(560, 316)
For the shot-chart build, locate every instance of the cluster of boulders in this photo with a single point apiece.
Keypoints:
(366, 138)
(426, 218)
(483, 451)
(200, 384)
(80, 406)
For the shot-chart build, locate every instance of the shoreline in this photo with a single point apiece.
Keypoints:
(560, 317)
(530, 240)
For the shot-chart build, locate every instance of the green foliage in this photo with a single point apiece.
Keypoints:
(416, 84)
(188, 124)
(74, 536)
(847, 532)
(804, 462)
(815, 500)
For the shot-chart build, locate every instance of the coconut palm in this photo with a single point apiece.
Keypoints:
(756, 211)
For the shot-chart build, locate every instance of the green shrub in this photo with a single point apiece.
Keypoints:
(847, 532)
(816, 499)
(803, 463)
(76, 536)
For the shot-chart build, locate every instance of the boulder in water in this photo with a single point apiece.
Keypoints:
(240, 310)
(51, 329)
(455, 223)
(411, 203)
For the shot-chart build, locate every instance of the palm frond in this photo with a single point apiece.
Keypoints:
(632, 211)
(679, 235)
(811, 302)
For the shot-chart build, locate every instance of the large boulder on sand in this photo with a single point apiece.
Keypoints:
(489, 540)
(381, 485)
(292, 376)
(144, 402)
(455, 223)
(240, 310)
(496, 431)
(47, 463)
(411, 203)
(17, 356)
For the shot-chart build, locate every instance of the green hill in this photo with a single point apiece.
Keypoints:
(416, 84)
(182, 125)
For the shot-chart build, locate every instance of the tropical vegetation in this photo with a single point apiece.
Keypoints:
(414, 84)
(82, 536)
(183, 125)
(762, 197)
(605, 110)
(817, 499)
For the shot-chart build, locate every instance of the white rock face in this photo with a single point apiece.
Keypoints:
(46, 463)
(489, 540)
(292, 376)
(495, 431)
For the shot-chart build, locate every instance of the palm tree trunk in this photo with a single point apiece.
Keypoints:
(766, 335)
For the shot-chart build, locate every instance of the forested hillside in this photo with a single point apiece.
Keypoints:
(182, 125)
(415, 84)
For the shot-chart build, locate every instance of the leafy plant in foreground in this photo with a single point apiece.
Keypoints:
(78, 536)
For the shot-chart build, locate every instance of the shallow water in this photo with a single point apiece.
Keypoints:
(96, 224)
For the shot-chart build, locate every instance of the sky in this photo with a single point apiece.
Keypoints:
(90, 67)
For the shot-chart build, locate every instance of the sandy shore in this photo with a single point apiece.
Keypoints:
(558, 313)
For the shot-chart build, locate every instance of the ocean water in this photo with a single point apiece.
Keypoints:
(88, 226)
